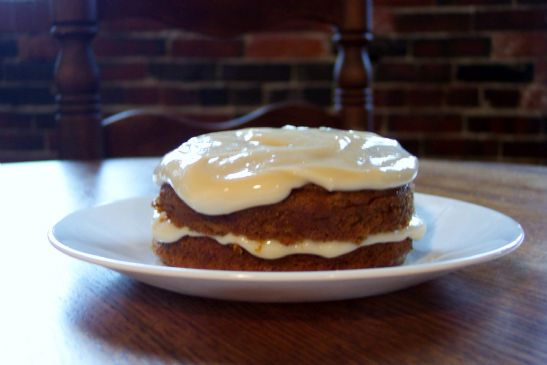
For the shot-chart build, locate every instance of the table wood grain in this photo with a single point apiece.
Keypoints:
(57, 310)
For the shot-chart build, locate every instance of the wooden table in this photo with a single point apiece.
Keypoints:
(55, 309)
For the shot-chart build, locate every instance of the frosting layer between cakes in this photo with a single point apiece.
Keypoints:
(165, 231)
(223, 172)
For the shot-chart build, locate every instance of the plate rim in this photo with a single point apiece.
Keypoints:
(292, 276)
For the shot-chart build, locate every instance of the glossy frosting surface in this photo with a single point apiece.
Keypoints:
(222, 172)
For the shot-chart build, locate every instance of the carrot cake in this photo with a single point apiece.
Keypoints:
(286, 199)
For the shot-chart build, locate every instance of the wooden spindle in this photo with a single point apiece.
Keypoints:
(77, 79)
(353, 71)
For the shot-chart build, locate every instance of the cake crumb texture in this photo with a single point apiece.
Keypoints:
(206, 253)
(308, 213)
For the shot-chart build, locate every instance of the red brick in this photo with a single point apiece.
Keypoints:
(206, 48)
(502, 98)
(177, 96)
(413, 72)
(434, 72)
(458, 148)
(513, 19)
(452, 47)
(300, 25)
(384, 22)
(40, 46)
(120, 47)
(403, 3)
(506, 72)
(395, 71)
(530, 149)
(513, 125)
(208, 118)
(424, 97)
(433, 22)
(513, 44)
(133, 25)
(276, 46)
(534, 97)
(462, 97)
(433, 123)
(540, 69)
(140, 95)
(414, 97)
(474, 2)
(389, 97)
(123, 71)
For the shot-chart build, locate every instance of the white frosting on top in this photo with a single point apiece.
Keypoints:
(223, 172)
(166, 232)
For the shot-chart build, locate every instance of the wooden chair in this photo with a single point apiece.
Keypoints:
(84, 135)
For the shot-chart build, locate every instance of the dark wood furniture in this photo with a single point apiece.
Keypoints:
(83, 134)
(58, 310)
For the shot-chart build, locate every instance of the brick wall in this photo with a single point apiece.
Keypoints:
(453, 79)
(463, 78)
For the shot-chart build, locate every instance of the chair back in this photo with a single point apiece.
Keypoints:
(84, 135)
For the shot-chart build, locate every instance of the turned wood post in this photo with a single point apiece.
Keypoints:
(74, 24)
(353, 73)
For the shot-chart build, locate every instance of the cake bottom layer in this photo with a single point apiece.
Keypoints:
(206, 253)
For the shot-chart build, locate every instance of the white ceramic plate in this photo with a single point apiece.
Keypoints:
(118, 236)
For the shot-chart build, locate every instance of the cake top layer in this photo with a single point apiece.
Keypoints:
(223, 172)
